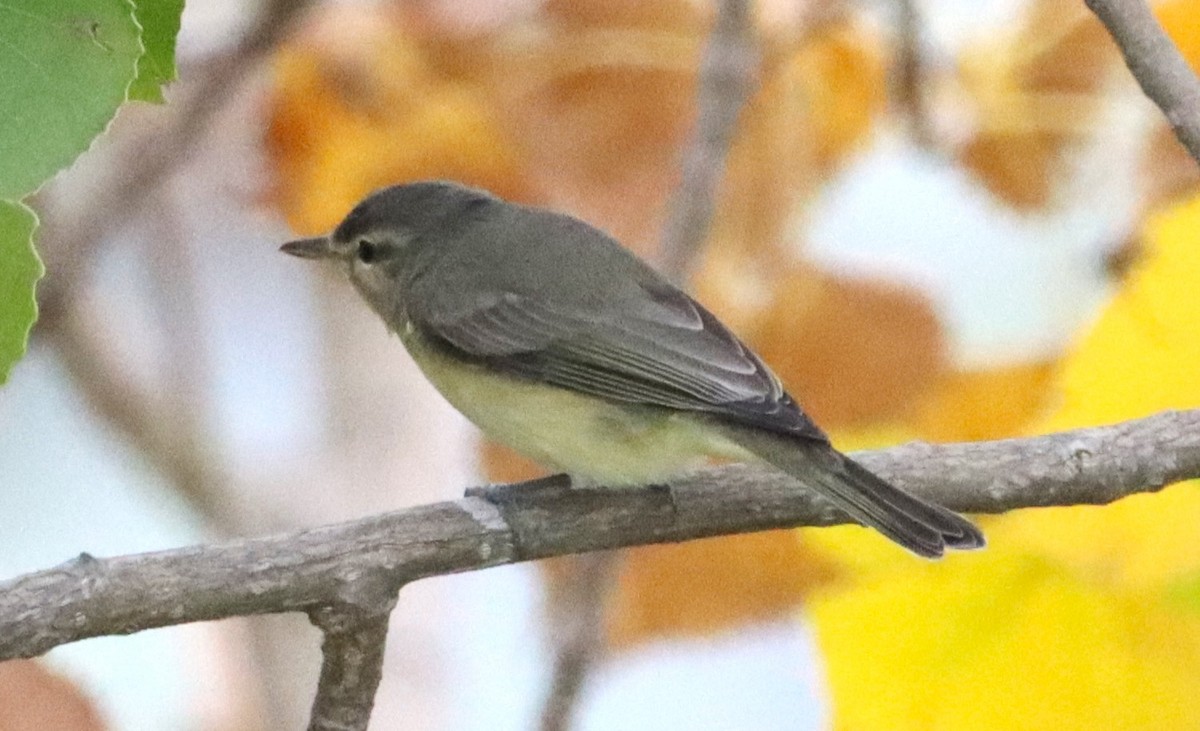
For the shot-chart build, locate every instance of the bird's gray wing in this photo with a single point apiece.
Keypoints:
(658, 349)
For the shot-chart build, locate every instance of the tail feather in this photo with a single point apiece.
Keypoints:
(921, 527)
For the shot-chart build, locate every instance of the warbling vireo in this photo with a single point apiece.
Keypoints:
(560, 343)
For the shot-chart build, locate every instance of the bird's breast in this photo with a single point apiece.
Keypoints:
(598, 441)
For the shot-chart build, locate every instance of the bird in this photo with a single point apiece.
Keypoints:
(560, 343)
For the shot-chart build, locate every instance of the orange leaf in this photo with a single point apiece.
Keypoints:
(356, 106)
(986, 404)
(34, 699)
(851, 351)
(1037, 91)
(710, 586)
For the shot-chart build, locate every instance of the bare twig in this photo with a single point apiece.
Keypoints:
(728, 75)
(908, 82)
(578, 635)
(139, 415)
(311, 569)
(175, 445)
(186, 444)
(1156, 63)
(352, 664)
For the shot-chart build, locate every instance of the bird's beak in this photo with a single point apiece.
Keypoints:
(315, 248)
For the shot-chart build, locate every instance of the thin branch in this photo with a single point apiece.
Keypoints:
(728, 75)
(352, 667)
(908, 73)
(177, 445)
(307, 570)
(80, 339)
(579, 635)
(1156, 63)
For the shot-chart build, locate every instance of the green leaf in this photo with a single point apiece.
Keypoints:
(65, 66)
(20, 268)
(160, 25)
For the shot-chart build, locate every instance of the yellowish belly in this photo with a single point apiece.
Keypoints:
(593, 440)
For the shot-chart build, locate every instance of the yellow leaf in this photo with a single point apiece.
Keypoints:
(1065, 620)
(1005, 642)
(1143, 355)
(842, 79)
(1181, 20)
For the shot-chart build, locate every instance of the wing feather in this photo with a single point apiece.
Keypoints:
(671, 353)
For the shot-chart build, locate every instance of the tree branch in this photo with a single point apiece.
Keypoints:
(728, 75)
(908, 73)
(352, 666)
(321, 567)
(1156, 63)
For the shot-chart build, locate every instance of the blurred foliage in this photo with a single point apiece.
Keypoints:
(36, 699)
(1036, 91)
(363, 108)
(1005, 640)
(1073, 616)
(65, 67)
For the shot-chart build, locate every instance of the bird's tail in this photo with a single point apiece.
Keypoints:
(921, 527)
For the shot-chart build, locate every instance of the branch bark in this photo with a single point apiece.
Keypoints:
(1157, 64)
(311, 569)
(352, 664)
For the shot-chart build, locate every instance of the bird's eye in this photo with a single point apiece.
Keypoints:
(366, 251)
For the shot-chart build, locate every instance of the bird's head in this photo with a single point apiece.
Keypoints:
(378, 242)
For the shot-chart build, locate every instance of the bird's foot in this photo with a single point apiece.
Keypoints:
(548, 485)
